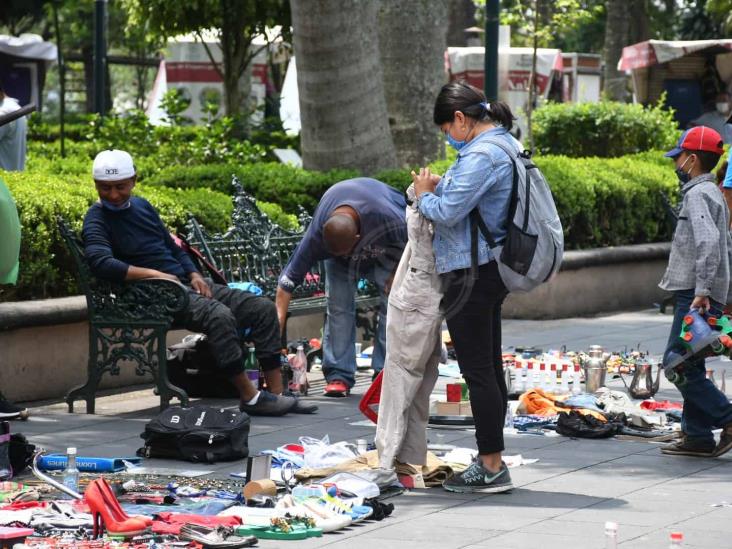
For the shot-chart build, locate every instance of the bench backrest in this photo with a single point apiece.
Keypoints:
(255, 248)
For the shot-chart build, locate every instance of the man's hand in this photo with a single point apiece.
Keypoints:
(701, 303)
(424, 182)
(200, 285)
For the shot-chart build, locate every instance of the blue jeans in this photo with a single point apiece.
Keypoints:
(705, 406)
(339, 337)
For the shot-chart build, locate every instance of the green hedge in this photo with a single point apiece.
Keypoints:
(601, 201)
(268, 181)
(604, 129)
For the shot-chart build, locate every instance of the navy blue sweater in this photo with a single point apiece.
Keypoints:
(114, 240)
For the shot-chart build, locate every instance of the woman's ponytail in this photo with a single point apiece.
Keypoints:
(500, 112)
(461, 96)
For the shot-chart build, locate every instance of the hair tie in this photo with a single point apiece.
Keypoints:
(486, 105)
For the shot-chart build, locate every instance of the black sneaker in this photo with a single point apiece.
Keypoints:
(269, 405)
(725, 441)
(8, 410)
(300, 407)
(689, 447)
(477, 478)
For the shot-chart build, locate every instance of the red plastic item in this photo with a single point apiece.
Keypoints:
(454, 392)
(372, 398)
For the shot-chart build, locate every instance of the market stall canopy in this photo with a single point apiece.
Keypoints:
(654, 52)
(28, 46)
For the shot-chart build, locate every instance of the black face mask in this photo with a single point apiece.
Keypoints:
(684, 177)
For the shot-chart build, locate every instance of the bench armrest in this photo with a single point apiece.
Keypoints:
(151, 299)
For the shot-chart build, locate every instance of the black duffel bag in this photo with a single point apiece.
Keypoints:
(198, 434)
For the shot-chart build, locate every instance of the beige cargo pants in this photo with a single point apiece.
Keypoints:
(413, 344)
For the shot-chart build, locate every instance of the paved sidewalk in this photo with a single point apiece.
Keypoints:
(562, 501)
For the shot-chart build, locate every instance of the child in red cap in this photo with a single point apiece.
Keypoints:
(698, 274)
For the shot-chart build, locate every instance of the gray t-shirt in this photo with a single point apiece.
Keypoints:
(12, 138)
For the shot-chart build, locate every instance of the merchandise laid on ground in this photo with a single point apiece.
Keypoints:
(310, 486)
(562, 392)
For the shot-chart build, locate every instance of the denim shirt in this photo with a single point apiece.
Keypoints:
(481, 176)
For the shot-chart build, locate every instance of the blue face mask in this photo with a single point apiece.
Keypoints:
(114, 207)
(454, 143)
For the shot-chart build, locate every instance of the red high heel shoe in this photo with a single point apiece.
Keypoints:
(113, 502)
(104, 517)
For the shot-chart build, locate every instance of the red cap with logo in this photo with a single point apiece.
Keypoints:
(698, 138)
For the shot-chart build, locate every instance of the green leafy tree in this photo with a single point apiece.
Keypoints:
(722, 11)
(236, 23)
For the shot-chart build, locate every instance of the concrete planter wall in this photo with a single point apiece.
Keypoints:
(44, 344)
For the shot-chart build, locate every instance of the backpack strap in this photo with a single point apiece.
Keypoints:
(476, 220)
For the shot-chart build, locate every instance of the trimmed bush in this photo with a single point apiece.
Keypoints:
(282, 184)
(604, 129)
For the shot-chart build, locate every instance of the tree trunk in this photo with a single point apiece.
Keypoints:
(616, 38)
(340, 84)
(235, 49)
(461, 15)
(412, 38)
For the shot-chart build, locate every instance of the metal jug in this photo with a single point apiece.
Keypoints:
(595, 368)
(642, 386)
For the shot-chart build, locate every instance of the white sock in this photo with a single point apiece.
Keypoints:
(254, 400)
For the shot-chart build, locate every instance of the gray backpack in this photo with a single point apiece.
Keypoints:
(534, 245)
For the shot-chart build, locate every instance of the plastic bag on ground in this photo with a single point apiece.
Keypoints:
(321, 453)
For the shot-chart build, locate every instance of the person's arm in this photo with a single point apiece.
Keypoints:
(282, 303)
(706, 244)
(471, 179)
(727, 186)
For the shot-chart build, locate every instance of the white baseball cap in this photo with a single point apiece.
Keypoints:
(113, 165)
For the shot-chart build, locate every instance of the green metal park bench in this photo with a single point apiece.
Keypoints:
(128, 322)
(255, 249)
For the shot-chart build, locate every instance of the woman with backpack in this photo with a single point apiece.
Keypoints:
(481, 179)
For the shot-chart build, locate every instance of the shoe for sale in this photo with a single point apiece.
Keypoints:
(477, 478)
(689, 447)
(221, 536)
(337, 388)
(725, 441)
(8, 410)
(269, 405)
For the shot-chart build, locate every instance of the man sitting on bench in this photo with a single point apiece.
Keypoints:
(125, 239)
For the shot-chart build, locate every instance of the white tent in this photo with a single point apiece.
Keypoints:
(23, 63)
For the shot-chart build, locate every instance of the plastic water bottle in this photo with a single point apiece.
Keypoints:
(576, 380)
(299, 366)
(525, 376)
(676, 540)
(611, 535)
(535, 378)
(508, 421)
(565, 380)
(552, 373)
(71, 473)
(520, 383)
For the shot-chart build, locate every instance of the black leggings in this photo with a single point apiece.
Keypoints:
(473, 313)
